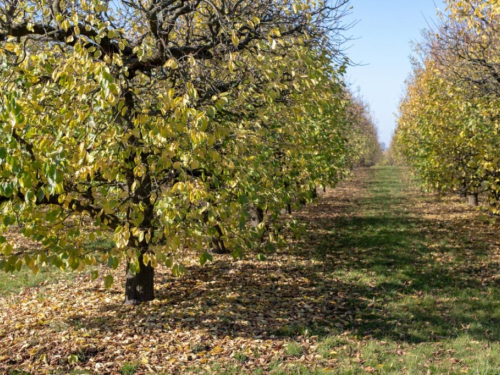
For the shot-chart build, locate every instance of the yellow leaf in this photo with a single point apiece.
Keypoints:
(235, 39)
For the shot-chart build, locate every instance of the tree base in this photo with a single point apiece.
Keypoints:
(473, 200)
(219, 247)
(139, 287)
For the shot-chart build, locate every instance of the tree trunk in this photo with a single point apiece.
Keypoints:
(218, 245)
(314, 192)
(257, 216)
(287, 210)
(473, 200)
(139, 287)
(320, 191)
(463, 190)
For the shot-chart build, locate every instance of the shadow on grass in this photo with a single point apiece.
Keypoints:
(385, 275)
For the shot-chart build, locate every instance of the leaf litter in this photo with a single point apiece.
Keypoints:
(320, 304)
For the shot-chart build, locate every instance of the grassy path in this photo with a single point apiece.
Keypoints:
(423, 286)
(385, 280)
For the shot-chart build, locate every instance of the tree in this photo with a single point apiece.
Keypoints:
(164, 121)
(448, 120)
(367, 150)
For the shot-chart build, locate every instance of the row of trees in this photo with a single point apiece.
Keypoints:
(175, 124)
(366, 150)
(448, 129)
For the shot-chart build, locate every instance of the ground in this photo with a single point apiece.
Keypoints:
(386, 279)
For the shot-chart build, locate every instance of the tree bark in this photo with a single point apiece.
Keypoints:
(257, 216)
(139, 287)
(314, 192)
(287, 210)
(473, 200)
(218, 244)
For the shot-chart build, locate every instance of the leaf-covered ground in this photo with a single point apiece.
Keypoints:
(386, 280)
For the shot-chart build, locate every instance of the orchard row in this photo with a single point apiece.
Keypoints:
(448, 129)
(177, 125)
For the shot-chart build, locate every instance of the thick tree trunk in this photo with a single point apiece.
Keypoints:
(139, 287)
(473, 200)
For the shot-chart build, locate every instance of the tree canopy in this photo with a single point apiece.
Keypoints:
(168, 123)
(448, 126)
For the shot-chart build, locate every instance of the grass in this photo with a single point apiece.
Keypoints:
(386, 280)
(424, 291)
(13, 283)
(129, 368)
(294, 349)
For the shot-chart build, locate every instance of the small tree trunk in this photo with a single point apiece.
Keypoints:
(219, 246)
(287, 210)
(320, 191)
(257, 216)
(139, 287)
(314, 192)
(473, 200)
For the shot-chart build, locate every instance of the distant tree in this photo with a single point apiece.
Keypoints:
(363, 139)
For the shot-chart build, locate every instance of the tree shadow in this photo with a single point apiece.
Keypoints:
(389, 277)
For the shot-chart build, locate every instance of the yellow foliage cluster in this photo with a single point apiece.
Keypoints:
(167, 123)
(448, 128)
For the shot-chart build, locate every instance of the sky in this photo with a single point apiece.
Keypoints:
(382, 44)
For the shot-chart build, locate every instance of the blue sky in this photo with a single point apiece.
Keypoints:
(382, 44)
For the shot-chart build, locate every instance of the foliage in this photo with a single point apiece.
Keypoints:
(367, 150)
(168, 123)
(448, 128)
(416, 292)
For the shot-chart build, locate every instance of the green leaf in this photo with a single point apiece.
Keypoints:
(58, 177)
(40, 195)
(134, 267)
(205, 257)
(175, 270)
(74, 263)
(7, 189)
(108, 281)
(270, 248)
(113, 262)
(261, 257)
(7, 249)
(30, 196)
(53, 215)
